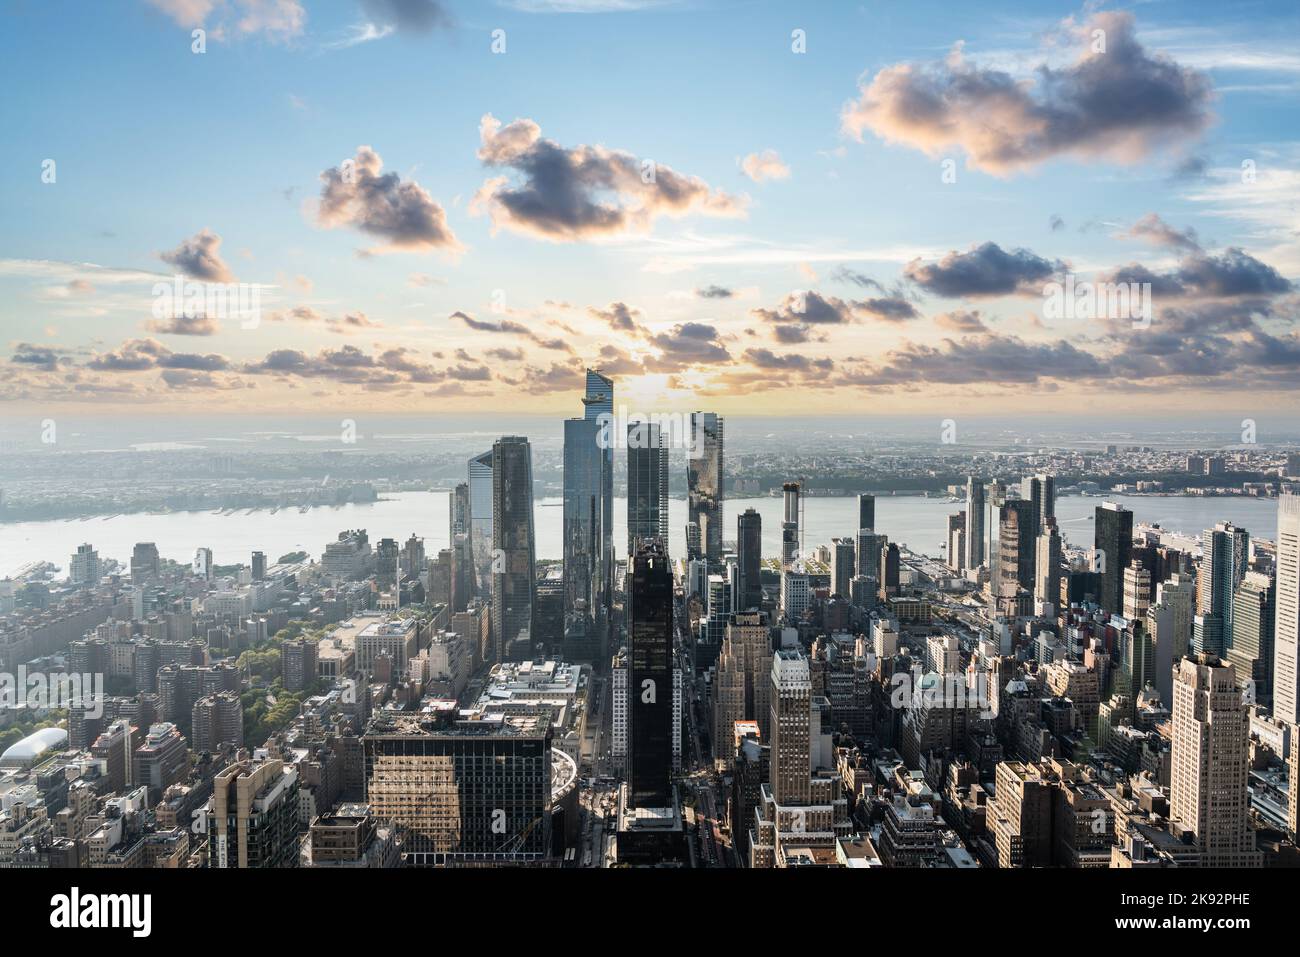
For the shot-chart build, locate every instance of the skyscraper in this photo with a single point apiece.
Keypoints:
(790, 524)
(866, 511)
(1254, 611)
(1224, 557)
(1286, 630)
(1113, 540)
(704, 479)
(957, 541)
(588, 521)
(647, 484)
(1047, 566)
(84, 567)
(650, 653)
(480, 519)
(974, 523)
(513, 561)
(749, 541)
(843, 567)
(743, 680)
(1016, 548)
(1210, 762)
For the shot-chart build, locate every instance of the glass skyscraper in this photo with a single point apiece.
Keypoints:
(588, 522)
(647, 484)
(650, 654)
(704, 478)
(513, 557)
(480, 518)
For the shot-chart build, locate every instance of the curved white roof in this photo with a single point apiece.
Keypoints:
(30, 748)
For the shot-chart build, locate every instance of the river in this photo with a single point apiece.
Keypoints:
(918, 522)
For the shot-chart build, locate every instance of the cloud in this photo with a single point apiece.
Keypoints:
(980, 359)
(412, 16)
(714, 292)
(1118, 105)
(277, 20)
(358, 195)
(764, 166)
(136, 355)
(511, 327)
(1232, 274)
(620, 317)
(199, 257)
(961, 321)
(588, 192)
(41, 357)
(985, 270)
(687, 344)
(1152, 229)
(184, 326)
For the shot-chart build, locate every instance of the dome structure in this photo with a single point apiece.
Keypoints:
(32, 748)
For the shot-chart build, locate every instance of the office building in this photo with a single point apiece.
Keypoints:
(514, 574)
(647, 484)
(84, 567)
(588, 521)
(253, 816)
(1286, 628)
(742, 682)
(1208, 792)
(974, 524)
(650, 679)
(749, 543)
(705, 484)
(1113, 544)
(480, 520)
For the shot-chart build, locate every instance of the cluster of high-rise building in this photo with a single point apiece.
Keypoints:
(1032, 698)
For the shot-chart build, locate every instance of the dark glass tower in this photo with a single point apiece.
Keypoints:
(588, 521)
(704, 479)
(866, 511)
(647, 484)
(513, 556)
(1113, 540)
(749, 542)
(650, 679)
(480, 519)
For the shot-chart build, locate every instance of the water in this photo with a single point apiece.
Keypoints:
(920, 523)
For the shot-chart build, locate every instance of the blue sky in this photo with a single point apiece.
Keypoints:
(156, 145)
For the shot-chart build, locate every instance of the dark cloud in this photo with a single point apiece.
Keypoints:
(1232, 274)
(887, 309)
(788, 362)
(980, 359)
(1119, 104)
(714, 292)
(199, 257)
(136, 355)
(586, 192)
(414, 16)
(511, 327)
(619, 316)
(986, 270)
(687, 344)
(42, 357)
(184, 326)
(359, 195)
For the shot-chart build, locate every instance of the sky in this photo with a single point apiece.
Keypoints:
(443, 206)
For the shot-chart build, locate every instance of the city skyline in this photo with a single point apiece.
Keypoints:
(445, 263)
